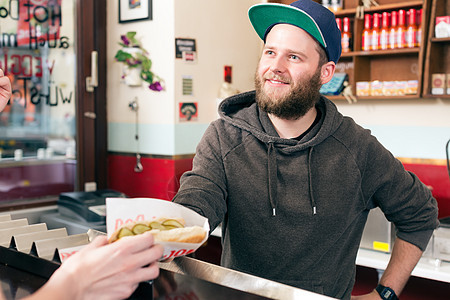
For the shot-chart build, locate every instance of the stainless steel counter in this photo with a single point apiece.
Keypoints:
(235, 280)
(22, 273)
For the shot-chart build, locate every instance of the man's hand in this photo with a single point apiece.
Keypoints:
(5, 90)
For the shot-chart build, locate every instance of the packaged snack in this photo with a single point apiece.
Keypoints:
(411, 87)
(447, 81)
(438, 84)
(376, 88)
(389, 88)
(400, 87)
(363, 88)
(442, 28)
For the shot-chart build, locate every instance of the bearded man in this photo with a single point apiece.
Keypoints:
(291, 179)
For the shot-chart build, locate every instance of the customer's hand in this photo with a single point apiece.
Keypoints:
(105, 271)
(5, 90)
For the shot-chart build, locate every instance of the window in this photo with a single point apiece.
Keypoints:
(38, 126)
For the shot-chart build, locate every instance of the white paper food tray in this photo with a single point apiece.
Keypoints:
(120, 211)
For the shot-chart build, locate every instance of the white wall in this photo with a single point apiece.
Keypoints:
(416, 128)
(156, 36)
(224, 36)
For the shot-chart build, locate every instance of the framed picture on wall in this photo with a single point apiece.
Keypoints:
(135, 10)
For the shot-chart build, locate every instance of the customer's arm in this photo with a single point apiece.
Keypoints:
(5, 90)
(102, 270)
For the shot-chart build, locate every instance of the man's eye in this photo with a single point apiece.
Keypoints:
(295, 57)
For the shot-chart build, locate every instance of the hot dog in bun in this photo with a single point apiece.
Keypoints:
(163, 230)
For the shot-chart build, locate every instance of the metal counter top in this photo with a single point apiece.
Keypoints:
(190, 279)
(236, 280)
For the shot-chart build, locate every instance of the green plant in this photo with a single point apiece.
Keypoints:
(138, 59)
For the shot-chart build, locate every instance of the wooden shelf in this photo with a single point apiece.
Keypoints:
(383, 65)
(401, 51)
(345, 12)
(382, 7)
(363, 98)
(437, 96)
(437, 58)
(440, 40)
(394, 6)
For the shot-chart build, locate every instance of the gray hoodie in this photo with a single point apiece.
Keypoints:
(294, 211)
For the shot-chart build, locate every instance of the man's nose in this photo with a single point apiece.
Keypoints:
(278, 65)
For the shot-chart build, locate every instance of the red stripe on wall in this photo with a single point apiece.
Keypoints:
(159, 179)
(435, 176)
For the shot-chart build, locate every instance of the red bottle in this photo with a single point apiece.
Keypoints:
(419, 27)
(411, 30)
(339, 23)
(393, 30)
(401, 29)
(376, 32)
(346, 36)
(384, 32)
(367, 33)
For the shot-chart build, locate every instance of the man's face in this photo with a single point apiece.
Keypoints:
(288, 78)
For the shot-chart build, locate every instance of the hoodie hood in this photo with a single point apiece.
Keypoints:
(243, 112)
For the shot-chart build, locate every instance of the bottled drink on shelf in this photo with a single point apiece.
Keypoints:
(367, 33)
(419, 27)
(346, 35)
(339, 23)
(401, 29)
(226, 89)
(393, 30)
(384, 31)
(336, 5)
(411, 29)
(327, 3)
(375, 44)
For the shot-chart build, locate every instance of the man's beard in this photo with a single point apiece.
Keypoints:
(302, 97)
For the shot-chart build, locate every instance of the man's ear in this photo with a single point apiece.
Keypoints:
(327, 72)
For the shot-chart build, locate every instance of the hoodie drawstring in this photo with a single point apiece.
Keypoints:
(272, 175)
(273, 179)
(311, 194)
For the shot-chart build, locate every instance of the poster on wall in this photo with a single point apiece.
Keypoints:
(189, 56)
(187, 86)
(185, 45)
(188, 111)
(39, 22)
(134, 10)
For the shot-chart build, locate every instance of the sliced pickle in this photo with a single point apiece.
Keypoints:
(140, 228)
(124, 232)
(172, 222)
(168, 227)
(157, 225)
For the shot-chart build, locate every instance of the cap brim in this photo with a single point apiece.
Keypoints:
(264, 15)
